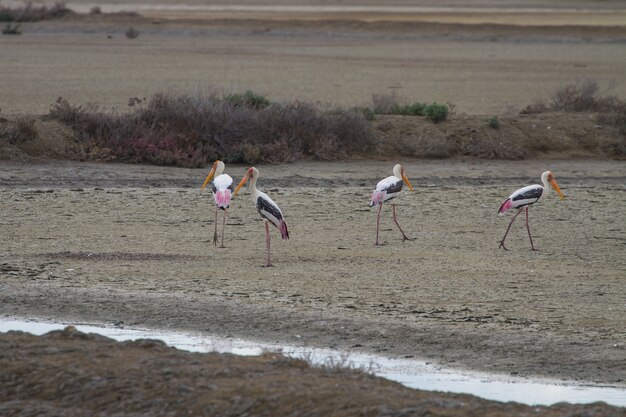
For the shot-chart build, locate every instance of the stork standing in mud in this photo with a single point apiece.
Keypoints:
(386, 190)
(524, 197)
(269, 211)
(222, 192)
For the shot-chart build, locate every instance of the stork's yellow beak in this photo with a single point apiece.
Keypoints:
(556, 187)
(208, 177)
(241, 184)
(406, 181)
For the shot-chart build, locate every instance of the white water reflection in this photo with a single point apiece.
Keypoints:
(412, 373)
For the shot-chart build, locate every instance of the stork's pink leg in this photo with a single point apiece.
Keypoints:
(528, 228)
(380, 207)
(267, 242)
(223, 227)
(215, 232)
(507, 230)
(395, 220)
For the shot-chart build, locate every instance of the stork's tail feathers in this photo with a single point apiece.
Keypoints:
(282, 227)
(377, 198)
(505, 206)
(222, 198)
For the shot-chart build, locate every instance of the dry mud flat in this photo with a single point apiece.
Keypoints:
(132, 246)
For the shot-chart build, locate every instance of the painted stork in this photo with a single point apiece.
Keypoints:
(269, 211)
(386, 190)
(222, 191)
(524, 197)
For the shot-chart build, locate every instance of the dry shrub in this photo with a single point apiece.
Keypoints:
(186, 130)
(31, 13)
(23, 129)
(132, 33)
(583, 97)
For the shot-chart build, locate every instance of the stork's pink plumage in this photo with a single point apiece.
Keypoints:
(523, 198)
(222, 191)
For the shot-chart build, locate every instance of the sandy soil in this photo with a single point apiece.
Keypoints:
(72, 374)
(132, 245)
(342, 58)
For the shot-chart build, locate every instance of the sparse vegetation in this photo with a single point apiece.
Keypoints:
(95, 10)
(31, 13)
(21, 130)
(587, 97)
(388, 104)
(436, 112)
(131, 33)
(583, 97)
(247, 99)
(189, 130)
(10, 29)
(494, 123)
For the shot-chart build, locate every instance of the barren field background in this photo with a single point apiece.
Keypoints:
(131, 245)
(340, 57)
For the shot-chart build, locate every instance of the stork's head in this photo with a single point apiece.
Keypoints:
(548, 178)
(251, 174)
(216, 169)
(398, 171)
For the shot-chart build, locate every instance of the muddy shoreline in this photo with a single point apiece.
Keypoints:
(130, 246)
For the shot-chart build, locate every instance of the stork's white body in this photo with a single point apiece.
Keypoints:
(388, 189)
(523, 198)
(222, 190)
(267, 208)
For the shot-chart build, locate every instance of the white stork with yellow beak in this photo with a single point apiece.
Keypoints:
(269, 211)
(524, 197)
(222, 192)
(388, 189)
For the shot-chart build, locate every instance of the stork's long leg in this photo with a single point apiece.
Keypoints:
(223, 227)
(507, 230)
(395, 220)
(528, 228)
(215, 232)
(267, 242)
(380, 207)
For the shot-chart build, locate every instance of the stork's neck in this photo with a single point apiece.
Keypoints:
(252, 186)
(219, 169)
(544, 180)
(397, 171)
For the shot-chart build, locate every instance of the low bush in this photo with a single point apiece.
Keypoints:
(191, 131)
(494, 123)
(436, 112)
(31, 13)
(388, 104)
(247, 99)
(23, 129)
(582, 97)
(132, 33)
(10, 29)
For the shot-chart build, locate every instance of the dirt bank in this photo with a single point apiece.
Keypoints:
(69, 373)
